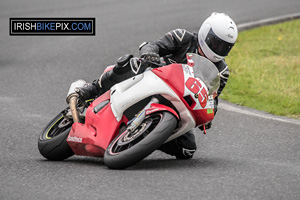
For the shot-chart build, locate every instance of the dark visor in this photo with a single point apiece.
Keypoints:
(217, 45)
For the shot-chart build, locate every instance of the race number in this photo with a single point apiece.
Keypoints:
(200, 92)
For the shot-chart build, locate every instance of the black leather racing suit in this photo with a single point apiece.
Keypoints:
(173, 47)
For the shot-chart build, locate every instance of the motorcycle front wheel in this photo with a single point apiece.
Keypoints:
(52, 142)
(130, 148)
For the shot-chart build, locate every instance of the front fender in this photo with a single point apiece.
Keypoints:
(155, 107)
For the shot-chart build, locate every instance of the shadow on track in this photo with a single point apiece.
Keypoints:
(149, 163)
(174, 164)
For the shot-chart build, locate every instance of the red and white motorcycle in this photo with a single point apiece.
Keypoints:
(135, 117)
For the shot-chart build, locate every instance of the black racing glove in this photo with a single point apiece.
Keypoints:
(89, 90)
(151, 57)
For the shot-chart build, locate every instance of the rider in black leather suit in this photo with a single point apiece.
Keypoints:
(173, 47)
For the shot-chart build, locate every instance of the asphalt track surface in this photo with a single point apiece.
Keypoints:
(245, 155)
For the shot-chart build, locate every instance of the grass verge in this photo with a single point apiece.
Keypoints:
(265, 69)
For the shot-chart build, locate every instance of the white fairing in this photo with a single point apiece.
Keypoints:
(127, 93)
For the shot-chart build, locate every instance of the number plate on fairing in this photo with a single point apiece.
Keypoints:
(196, 89)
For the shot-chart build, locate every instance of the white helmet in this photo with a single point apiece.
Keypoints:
(217, 36)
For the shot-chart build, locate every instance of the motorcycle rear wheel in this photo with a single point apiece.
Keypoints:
(52, 142)
(130, 148)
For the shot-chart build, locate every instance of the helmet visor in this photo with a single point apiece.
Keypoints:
(217, 45)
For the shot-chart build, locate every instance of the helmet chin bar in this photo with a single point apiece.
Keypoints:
(208, 53)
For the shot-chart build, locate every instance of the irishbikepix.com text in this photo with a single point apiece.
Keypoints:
(52, 26)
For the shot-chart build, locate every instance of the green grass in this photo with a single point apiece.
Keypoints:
(265, 69)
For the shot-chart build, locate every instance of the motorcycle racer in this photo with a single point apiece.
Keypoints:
(214, 40)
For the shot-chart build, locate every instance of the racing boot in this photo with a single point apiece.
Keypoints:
(182, 147)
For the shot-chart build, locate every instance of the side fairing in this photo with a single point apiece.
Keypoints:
(196, 89)
(202, 107)
(191, 90)
(173, 75)
(131, 91)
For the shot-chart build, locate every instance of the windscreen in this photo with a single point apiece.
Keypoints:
(206, 71)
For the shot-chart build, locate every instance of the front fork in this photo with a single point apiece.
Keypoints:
(72, 98)
(139, 118)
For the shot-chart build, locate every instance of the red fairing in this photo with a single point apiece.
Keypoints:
(203, 116)
(155, 107)
(93, 137)
(173, 76)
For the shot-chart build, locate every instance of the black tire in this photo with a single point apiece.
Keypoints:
(128, 149)
(52, 142)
